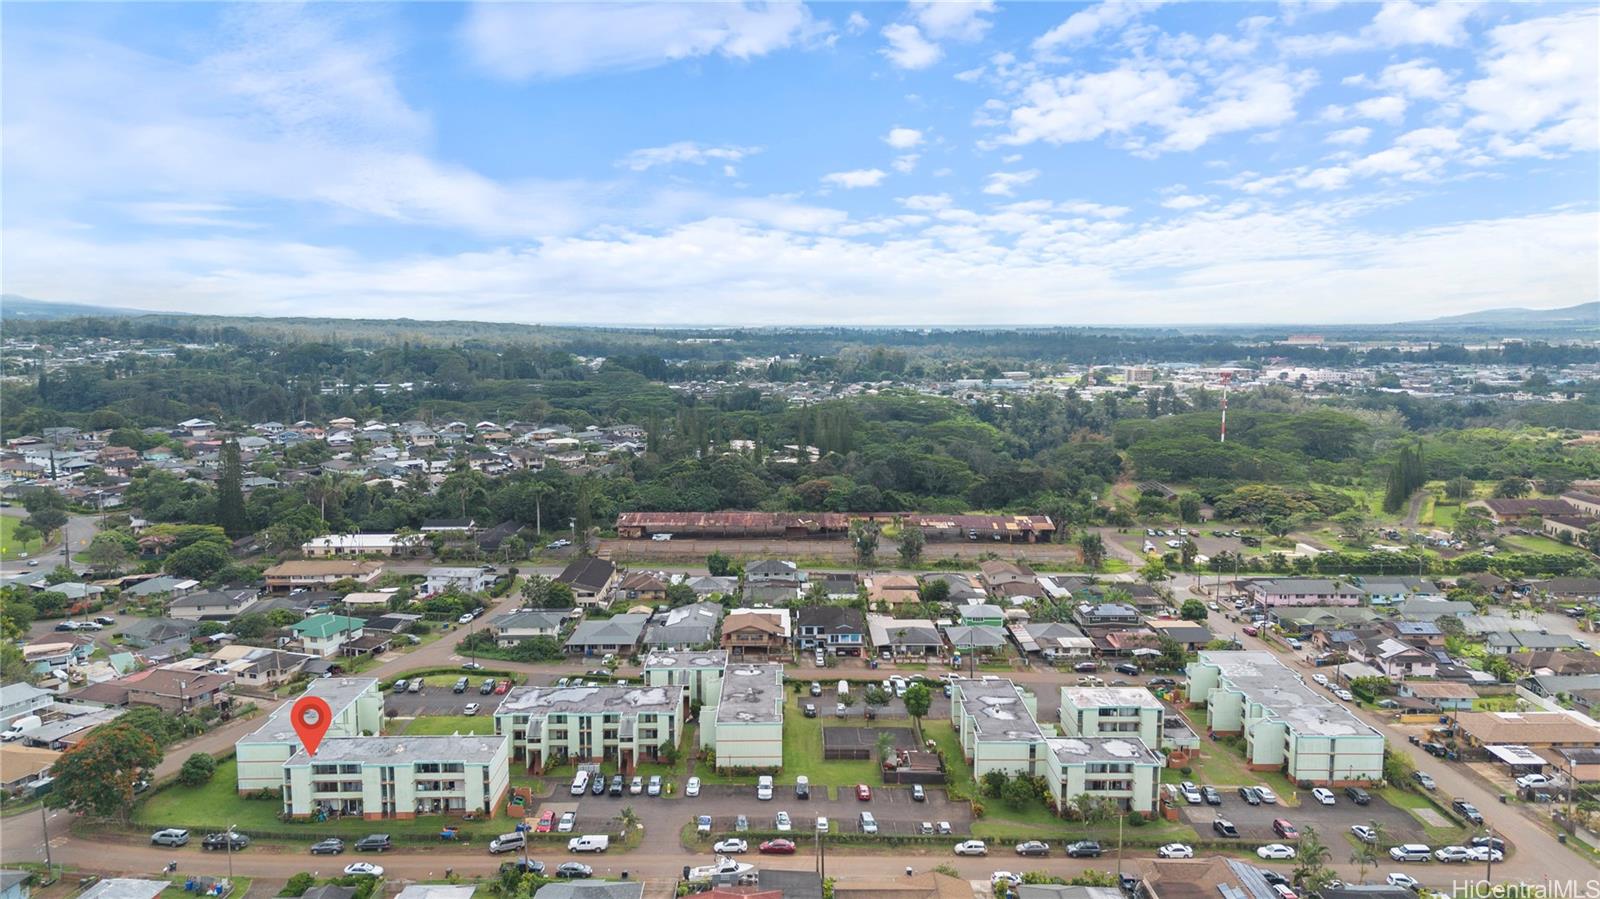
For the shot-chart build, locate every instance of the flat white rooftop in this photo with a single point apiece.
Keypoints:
(711, 658)
(1117, 697)
(338, 692)
(588, 700)
(1266, 681)
(997, 710)
(1078, 750)
(470, 748)
(751, 694)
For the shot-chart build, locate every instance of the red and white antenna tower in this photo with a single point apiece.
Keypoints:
(1227, 377)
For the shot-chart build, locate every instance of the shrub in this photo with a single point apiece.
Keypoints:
(1137, 819)
(197, 769)
(298, 884)
(1186, 770)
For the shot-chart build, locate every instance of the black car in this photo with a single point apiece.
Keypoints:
(616, 785)
(217, 842)
(599, 788)
(1211, 795)
(1127, 668)
(1037, 847)
(1249, 795)
(524, 866)
(1434, 749)
(574, 869)
(487, 687)
(1495, 843)
(1224, 828)
(1129, 885)
(330, 846)
(802, 791)
(1274, 878)
(1084, 849)
(1163, 682)
(1467, 810)
(375, 842)
(1357, 795)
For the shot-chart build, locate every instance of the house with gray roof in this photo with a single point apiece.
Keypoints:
(978, 638)
(525, 624)
(597, 636)
(905, 636)
(684, 627)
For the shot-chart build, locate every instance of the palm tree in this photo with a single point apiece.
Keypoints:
(885, 745)
(1311, 861)
(629, 819)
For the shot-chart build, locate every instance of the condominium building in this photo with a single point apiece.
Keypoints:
(1286, 723)
(700, 672)
(1111, 712)
(623, 725)
(357, 709)
(996, 722)
(398, 777)
(1123, 769)
(745, 727)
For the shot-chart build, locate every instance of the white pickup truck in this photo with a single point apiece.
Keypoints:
(589, 843)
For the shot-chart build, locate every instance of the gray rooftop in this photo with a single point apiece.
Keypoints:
(542, 701)
(618, 630)
(997, 710)
(592, 889)
(1264, 680)
(405, 750)
(751, 694)
(125, 888)
(436, 891)
(338, 692)
(1080, 750)
(1110, 697)
(81, 717)
(711, 658)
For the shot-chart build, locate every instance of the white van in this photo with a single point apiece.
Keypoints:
(764, 787)
(844, 688)
(589, 843)
(507, 842)
(1411, 852)
(580, 784)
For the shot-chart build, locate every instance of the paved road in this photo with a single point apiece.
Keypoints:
(79, 530)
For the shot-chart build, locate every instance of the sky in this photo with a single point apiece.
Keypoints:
(778, 163)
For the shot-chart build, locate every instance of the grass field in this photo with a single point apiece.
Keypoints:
(445, 725)
(1414, 802)
(9, 547)
(1536, 544)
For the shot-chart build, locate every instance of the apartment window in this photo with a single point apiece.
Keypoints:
(324, 769)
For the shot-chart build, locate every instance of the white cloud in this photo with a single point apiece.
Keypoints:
(1330, 178)
(1184, 202)
(1540, 84)
(1384, 109)
(1128, 100)
(856, 178)
(903, 138)
(521, 41)
(926, 202)
(1083, 25)
(683, 152)
(906, 163)
(857, 23)
(1005, 184)
(957, 20)
(1350, 137)
(1417, 79)
(908, 49)
(1404, 22)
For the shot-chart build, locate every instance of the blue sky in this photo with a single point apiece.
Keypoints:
(938, 163)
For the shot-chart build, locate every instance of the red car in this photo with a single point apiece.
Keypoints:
(1285, 829)
(863, 792)
(547, 822)
(1250, 631)
(778, 847)
(502, 688)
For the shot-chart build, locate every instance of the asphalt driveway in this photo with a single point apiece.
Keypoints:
(1332, 822)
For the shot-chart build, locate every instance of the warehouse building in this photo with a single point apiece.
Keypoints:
(1286, 723)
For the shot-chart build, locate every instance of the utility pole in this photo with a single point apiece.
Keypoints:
(1120, 819)
(44, 826)
(230, 851)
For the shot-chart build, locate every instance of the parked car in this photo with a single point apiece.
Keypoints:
(654, 787)
(1364, 833)
(574, 870)
(972, 847)
(1249, 795)
(471, 708)
(1127, 668)
(1084, 849)
(1005, 877)
(1498, 844)
(1175, 850)
(547, 821)
(1035, 847)
(330, 846)
(568, 821)
(781, 823)
(692, 788)
(1191, 793)
(1453, 854)
(918, 793)
(816, 688)
(1411, 852)
(1405, 881)
(1323, 795)
(863, 792)
(1357, 795)
(1275, 851)
(487, 687)
(1532, 780)
(1265, 794)
(764, 787)
(1423, 780)
(171, 836)
(368, 869)
(524, 866)
(1283, 828)
(741, 823)
(217, 842)
(1485, 854)
(374, 842)
(1224, 828)
(802, 787)
(617, 784)
(1467, 810)
(502, 687)
(1211, 795)
(778, 847)
(598, 787)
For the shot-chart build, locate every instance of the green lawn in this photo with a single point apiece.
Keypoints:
(9, 547)
(445, 725)
(1535, 543)
(1412, 802)
(1444, 513)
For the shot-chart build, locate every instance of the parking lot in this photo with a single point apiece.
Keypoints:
(893, 808)
(1332, 822)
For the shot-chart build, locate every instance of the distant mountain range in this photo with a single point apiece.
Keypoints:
(13, 306)
(1583, 314)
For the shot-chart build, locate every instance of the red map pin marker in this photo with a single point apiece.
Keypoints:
(311, 717)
